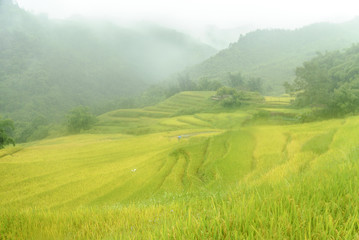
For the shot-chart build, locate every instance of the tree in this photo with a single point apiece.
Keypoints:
(229, 96)
(236, 80)
(185, 83)
(346, 98)
(288, 88)
(35, 128)
(255, 85)
(205, 84)
(80, 118)
(6, 126)
(329, 82)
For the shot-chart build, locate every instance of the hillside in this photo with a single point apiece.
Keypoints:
(49, 66)
(329, 81)
(273, 55)
(251, 173)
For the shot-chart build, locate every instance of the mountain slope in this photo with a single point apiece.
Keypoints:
(273, 55)
(48, 66)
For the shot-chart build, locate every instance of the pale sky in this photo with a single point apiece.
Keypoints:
(197, 13)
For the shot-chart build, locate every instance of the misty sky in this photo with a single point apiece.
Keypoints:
(198, 13)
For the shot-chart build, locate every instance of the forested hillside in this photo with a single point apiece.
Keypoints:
(329, 82)
(274, 54)
(49, 66)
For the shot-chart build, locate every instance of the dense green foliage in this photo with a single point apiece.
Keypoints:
(273, 55)
(38, 127)
(231, 97)
(329, 82)
(240, 82)
(49, 66)
(80, 118)
(237, 88)
(6, 126)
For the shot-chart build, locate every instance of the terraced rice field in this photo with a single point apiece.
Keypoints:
(226, 178)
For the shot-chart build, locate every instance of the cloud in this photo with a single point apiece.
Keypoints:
(224, 13)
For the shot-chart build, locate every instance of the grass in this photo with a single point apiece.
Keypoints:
(282, 100)
(222, 180)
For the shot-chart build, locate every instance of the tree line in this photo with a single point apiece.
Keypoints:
(329, 83)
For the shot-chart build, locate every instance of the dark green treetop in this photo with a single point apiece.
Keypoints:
(6, 126)
(80, 118)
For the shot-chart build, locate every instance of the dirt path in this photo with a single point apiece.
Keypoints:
(187, 135)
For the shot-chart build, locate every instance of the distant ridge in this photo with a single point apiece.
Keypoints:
(49, 66)
(274, 54)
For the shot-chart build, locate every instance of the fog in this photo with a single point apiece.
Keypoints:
(224, 14)
(214, 22)
(107, 54)
(187, 13)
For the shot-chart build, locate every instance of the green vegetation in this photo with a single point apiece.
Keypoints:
(48, 67)
(230, 97)
(79, 119)
(201, 156)
(329, 82)
(320, 143)
(239, 82)
(224, 179)
(5, 127)
(273, 55)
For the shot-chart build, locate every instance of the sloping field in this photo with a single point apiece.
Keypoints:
(156, 118)
(220, 180)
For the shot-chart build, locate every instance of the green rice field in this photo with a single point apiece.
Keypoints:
(228, 176)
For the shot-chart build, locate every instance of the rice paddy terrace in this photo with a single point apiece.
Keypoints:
(229, 175)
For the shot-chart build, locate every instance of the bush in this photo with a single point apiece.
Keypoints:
(6, 126)
(79, 119)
